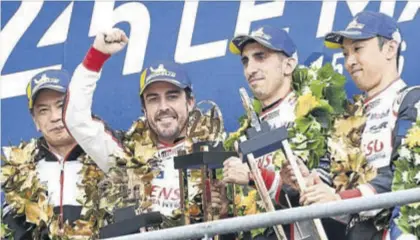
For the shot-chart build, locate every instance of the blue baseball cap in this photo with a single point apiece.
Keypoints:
(170, 72)
(57, 80)
(365, 25)
(270, 37)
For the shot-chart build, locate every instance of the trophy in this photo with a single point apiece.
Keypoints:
(199, 163)
(260, 139)
(125, 190)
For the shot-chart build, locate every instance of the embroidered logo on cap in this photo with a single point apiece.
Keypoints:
(44, 79)
(355, 24)
(160, 71)
(260, 33)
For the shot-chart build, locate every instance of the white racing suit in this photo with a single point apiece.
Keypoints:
(282, 113)
(62, 195)
(100, 143)
(389, 114)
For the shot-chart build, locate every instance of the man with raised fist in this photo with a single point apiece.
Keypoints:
(167, 100)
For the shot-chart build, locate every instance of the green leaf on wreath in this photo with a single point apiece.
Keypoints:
(256, 232)
(317, 88)
(303, 123)
(336, 98)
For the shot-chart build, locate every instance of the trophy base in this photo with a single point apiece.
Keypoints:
(213, 158)
(131, 225)
(263, 142)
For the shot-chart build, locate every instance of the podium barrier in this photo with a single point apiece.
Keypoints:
(355, 205)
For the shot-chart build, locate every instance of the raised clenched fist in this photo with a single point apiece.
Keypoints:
(110, 41)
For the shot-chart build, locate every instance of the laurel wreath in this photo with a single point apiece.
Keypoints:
(407, 176)
(321, 98)
(27, 196)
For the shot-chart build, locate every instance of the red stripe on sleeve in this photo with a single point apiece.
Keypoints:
(94, 59)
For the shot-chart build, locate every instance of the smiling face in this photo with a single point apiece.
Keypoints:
(365, 62)
(167, 108)
(266, 71)
(47, 116)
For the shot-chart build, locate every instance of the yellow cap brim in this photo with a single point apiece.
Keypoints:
(234, 49)
(143, 81)
(332, 45)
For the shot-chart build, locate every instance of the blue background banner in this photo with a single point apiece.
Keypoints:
(38, 35)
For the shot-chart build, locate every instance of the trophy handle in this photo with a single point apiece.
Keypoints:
(262, 191)
(183, 187)
(292, 160)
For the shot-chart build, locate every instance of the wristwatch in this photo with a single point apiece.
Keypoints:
(251, 181)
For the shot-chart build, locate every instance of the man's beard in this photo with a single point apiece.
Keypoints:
(171, 133)
(168, 134)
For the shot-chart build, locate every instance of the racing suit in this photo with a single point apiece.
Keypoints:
(279, 114)
(408, 104)
(49, 168)
(389, 114)
(101, 143)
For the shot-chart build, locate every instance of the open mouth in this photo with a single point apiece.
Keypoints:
(165, 118)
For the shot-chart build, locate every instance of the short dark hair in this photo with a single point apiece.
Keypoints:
(246, 43)
(381, 43)
(188, 93)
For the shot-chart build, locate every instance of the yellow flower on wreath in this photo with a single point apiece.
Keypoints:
(413, 137)
(305, 104)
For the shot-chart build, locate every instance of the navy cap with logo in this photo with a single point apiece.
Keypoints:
(57, 80)
(365, 25)
(273, 38)
(165, 72)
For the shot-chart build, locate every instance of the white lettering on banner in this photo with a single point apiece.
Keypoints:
(9, 37)
(356, 6)
(186, 53)
(326, 17)
(249, 12)
(16, 27)
(16, 82)
(410, 10)
(329, 8)
(401, 59)
(101, 20)
(137, 15)
(387, 7)
(104, 15)
(338, 67)
(58, 31)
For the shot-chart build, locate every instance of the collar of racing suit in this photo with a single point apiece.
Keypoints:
(275, 103)
(398, 81)
(47, 155)
(177, 141)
